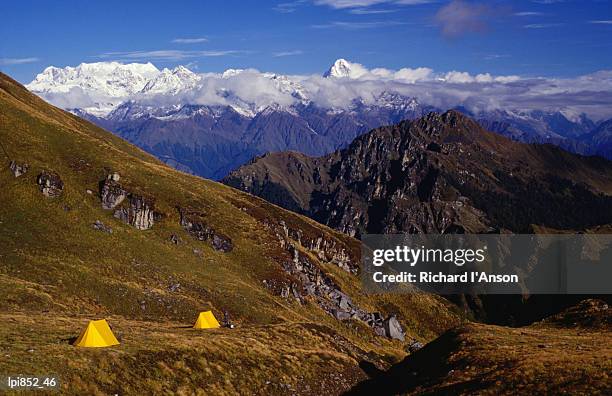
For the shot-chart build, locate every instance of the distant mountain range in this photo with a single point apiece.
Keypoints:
(209, 124)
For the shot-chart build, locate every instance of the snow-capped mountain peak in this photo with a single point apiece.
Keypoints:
(231, 73)
(171, 81)
(345, 69)
(396, 101)
(112, 79)
(97, 87)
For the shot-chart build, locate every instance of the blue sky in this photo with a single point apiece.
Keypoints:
(527, 37)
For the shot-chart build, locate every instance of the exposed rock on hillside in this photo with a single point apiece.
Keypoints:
(325, 249)
(311, 281)
(393, 329)
(98, 225)
(414, 346)
(196, 226)
(175, 239)
(139, 213)
(111, 192)
(18, 169)
(50, 184)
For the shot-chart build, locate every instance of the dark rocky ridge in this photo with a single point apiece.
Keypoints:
(442, 173)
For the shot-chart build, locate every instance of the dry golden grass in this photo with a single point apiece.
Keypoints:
(171, 357)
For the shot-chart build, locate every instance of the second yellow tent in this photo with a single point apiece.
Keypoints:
(206, 320)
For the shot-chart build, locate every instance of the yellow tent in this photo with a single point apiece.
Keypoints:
(206, 320)
(96, 334)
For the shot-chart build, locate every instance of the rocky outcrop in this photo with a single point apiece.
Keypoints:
(111, 192)
(311, 281)
(50, 184)
(18, 169)
(194, 223)
(98, 225)
(591, 314)
(393, 329)
(414, 346)
(139, 213)
(326, 250)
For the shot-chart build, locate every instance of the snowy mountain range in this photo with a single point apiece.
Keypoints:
(99, 88)
(110, 83)
(211, 123)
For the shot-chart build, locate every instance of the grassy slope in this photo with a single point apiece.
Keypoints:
(56, 272)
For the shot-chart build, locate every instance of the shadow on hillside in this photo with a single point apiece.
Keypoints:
(271, 192)
(423, 368)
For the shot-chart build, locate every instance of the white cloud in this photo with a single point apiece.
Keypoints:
(496, 56)
(463, 78)
(370, 11)
(527, 13)
(246, 86)
(542, 25)
(288, 7)
(170, 55)
(341, 4)
(413, 75)
(602, 22)
(17, 61)
(194, 40)
(75, 97)
(405, 75)
(358, 25)
(287, 53)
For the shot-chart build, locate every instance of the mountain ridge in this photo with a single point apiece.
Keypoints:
(454, 147)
